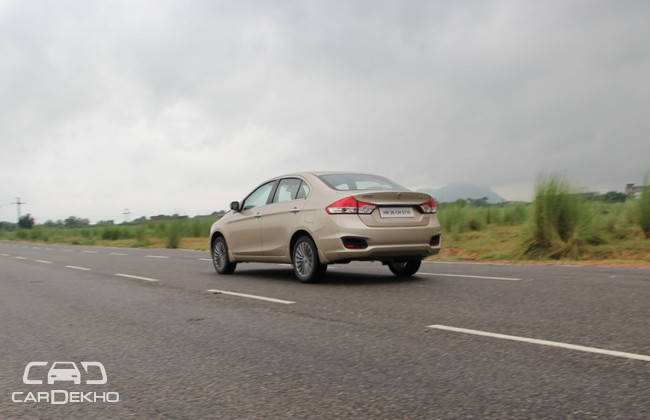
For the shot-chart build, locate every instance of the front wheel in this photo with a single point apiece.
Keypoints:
(405, 268)
(306, 264)
(220, 259)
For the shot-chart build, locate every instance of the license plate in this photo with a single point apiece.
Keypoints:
(388, 212)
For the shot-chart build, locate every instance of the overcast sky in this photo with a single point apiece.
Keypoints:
(183, 106)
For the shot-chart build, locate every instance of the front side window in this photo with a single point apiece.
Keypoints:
(259, 197)
(287, 190)
(344, 182)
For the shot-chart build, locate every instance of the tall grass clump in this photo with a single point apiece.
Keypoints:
(644, 209)
(515, 214)
(557, 221)
(173, 234)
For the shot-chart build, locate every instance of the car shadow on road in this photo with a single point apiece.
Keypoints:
(332, 277)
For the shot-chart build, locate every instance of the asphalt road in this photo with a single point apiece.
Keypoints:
(361, 344)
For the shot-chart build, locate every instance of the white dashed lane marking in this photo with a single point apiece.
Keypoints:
(4, 255)
(44, 261)
(205, 259)
(89, 252)
(245, 295)
(131, 276)
(21, 258)
(75, 267)
(157, 256)
(117, 253)
(544, 342)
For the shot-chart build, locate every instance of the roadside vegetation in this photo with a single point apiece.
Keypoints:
(559, 225)
(644, 209)
(174, 233)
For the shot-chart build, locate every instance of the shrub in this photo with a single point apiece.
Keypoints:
(515, 214)
(26, 221)
(173, 237)
(196, 228)
(644, 209)
(111, 233)
(556, 220)
(141, 234)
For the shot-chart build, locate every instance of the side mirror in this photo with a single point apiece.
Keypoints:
(234, 206)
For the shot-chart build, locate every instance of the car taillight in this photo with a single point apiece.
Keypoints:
(429, 206)
(350, 205)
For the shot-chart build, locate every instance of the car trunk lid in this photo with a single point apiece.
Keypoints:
(394, 208)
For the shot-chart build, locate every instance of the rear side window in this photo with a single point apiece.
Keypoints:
(303, 191)
(344, 182)
(287, 190)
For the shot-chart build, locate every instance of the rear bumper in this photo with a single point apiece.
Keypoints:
(384, 243)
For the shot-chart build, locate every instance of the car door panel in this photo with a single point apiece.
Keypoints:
(245, 233)
(280, 219)
(245, 226)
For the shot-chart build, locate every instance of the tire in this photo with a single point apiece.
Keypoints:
(306, 265)
(220, 258)
(406, 268)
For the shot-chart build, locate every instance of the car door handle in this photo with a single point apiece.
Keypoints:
(258, 214)
(294, 210)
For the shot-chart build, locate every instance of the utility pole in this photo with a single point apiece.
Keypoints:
(18, 203)
(126, 214)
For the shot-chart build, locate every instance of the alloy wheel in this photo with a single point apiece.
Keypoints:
(219, 254)
(304, 259)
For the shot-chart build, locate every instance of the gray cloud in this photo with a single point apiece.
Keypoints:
(177, 106)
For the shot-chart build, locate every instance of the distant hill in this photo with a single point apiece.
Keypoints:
(453, 192)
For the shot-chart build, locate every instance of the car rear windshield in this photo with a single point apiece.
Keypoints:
(344, 182)
(63, 365)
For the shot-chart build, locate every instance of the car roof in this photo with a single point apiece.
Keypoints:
(318, 173)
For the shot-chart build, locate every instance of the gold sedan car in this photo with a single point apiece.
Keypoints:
(313, 219)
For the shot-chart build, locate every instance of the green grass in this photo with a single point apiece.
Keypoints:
(168, 233)
(457, 218)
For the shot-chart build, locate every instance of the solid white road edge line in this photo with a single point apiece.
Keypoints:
(156, 256)
(268, 299)
(130, 276)
(545, 342)
(471, 276)
(75, 267)
(44, 261)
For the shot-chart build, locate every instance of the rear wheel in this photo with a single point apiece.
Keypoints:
(405, 268)
(306, 264)
(220, 259)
